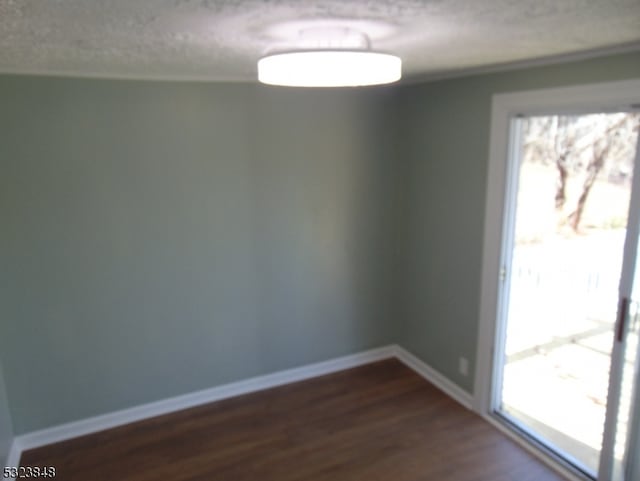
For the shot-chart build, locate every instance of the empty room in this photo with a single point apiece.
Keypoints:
(295, 240)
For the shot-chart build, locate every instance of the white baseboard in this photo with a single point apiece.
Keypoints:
(434, 377)
(118, 418)
(13, 459)
(99, 423)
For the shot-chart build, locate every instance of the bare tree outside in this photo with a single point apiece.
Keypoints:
(585, 150)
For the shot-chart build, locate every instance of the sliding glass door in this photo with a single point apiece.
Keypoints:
(619, 459)
(568, 335)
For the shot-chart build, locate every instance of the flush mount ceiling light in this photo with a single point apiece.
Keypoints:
(337, 57)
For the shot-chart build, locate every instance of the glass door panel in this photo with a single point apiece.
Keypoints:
(573, 197)
(619, 460)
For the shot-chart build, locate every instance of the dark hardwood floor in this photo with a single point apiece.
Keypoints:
(377, 422)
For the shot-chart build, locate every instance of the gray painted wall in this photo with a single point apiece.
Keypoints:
(6, 429)
(160, 238)
(445, 137)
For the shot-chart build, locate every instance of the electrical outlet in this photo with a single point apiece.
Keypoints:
(463, 366)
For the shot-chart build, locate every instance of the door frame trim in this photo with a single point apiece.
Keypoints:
(580, 99)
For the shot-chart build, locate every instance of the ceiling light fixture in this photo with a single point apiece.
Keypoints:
(329, 57)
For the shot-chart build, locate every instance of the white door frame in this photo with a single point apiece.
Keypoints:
(582, 99)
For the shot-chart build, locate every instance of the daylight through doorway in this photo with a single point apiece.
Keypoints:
(573, 195)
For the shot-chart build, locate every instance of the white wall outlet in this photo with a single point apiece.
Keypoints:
(463, 366)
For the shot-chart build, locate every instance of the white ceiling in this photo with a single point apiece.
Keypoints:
(223, 39)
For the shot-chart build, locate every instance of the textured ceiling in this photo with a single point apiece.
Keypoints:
(222, 39)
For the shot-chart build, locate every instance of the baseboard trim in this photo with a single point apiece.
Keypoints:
(106, 421)
(13, 458)
(434, 377)
(95, 424)
(99, 423)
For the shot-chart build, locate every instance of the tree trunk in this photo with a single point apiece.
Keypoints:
(561, 184)
(594, 168)
(600, 149)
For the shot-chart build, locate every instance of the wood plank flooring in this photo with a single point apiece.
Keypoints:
(377, 422)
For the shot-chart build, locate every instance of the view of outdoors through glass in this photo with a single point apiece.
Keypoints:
(572, 206)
